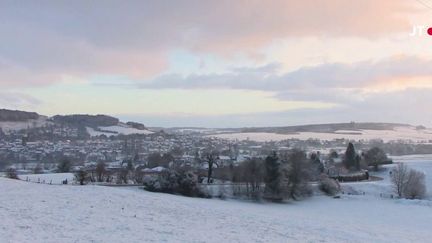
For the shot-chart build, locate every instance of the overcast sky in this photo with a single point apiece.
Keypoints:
(219, 63)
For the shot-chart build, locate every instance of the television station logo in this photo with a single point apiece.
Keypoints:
(421, 30)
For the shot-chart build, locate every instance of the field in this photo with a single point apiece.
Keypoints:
(383, 188)
(399, 133)
(31, 212)
(56, 178)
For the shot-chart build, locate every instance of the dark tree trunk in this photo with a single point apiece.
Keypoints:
(210, 172)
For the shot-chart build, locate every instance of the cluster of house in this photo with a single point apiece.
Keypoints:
(185, 149)
(25, 156)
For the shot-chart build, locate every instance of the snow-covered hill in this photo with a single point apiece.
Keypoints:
(8, 126)
(121, 128)
(68, 125)
(32, 212)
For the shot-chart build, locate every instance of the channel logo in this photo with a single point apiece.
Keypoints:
(420, 30)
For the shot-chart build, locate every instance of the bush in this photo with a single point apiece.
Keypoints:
(38, 169)
(81, 176)
(376, 157)
(122, 176)
(64, 166)
(11, 173)
(174, 182)
(329, 186)
(415, 187)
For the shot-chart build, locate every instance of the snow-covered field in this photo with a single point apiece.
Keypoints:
(55, 178)
(31, 212)
(17, 125)
(384, 187)
(401, 133)
(421, 163)
(115, 130)
(43, 213)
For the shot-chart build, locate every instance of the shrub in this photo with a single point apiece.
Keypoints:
(81, 176)
(64, 166)
(329, 186)
(122, 176)
(376, 157)
(11, 173)
(174, 182)
(38, 169)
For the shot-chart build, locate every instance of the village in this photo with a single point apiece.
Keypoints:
(151, 154)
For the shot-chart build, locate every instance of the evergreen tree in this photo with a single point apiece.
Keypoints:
(130, 165)
(350, 157)
(64, 166)
(272, 178)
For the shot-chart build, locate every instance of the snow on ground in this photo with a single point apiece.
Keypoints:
(421, 163)
(7, 127)
(400, 133)
(63, 213)
(115, 130)
(31, 212)
(384, 187)
(54, 178)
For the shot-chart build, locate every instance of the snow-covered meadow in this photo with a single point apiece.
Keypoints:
(115, 130)
(399, 133)
(46, 213)
(8, 126)
(31, 212)
(384, 187)
(54, 178)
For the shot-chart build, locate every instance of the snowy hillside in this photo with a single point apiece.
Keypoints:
(121, 128)
(46, 213)
(68, 125)
(55, 178)
(8, 126)
(399, 133)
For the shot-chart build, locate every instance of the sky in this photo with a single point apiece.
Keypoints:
(219, 63)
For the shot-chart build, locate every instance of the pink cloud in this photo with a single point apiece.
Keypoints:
(43, 42)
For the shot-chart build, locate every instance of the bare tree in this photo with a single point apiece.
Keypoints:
(297, 173)
(81, 176)
(408, 183)
(100, 171)
(138, 176)
(211, 158)
(415, 187)
(252, 173)
(399, 177)
(122, 176)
